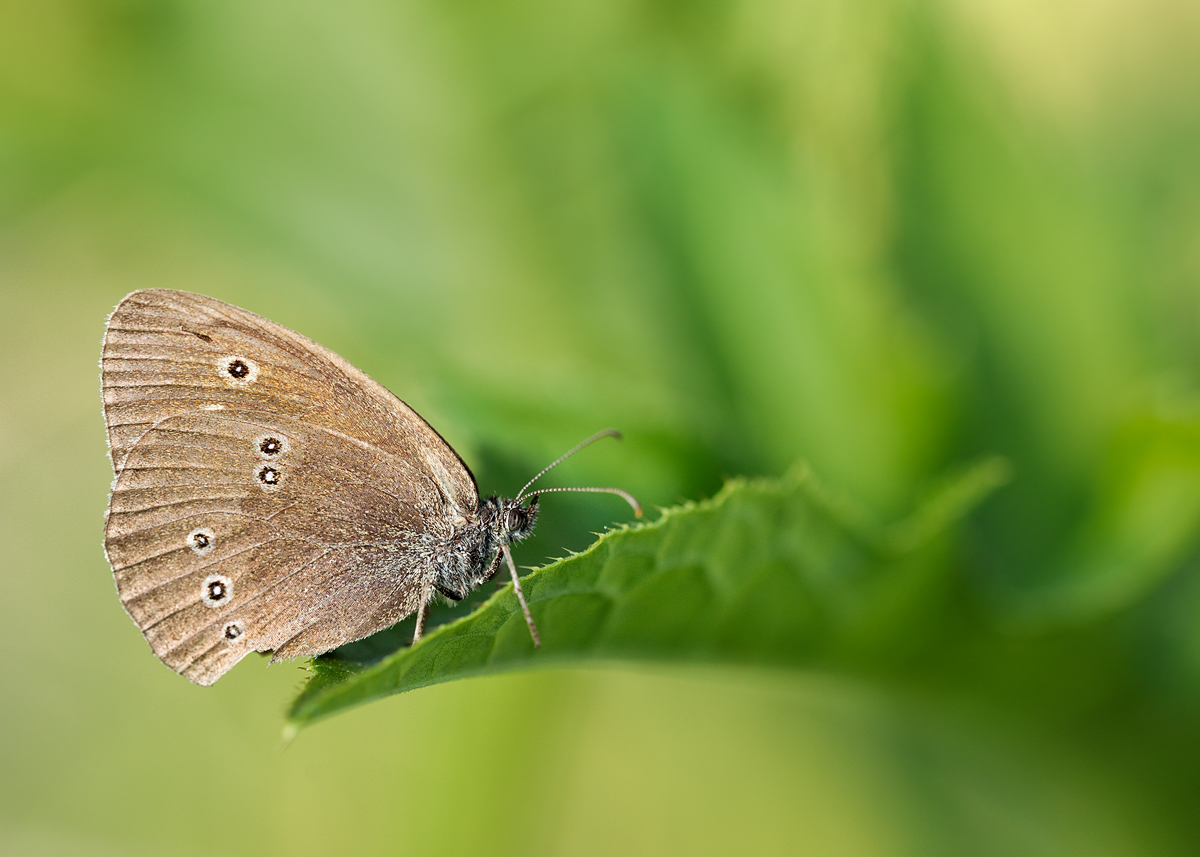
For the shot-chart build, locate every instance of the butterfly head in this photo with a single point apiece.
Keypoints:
(514, 521)
(509, 520)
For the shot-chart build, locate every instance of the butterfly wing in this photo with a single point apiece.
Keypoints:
(268, 495)
(167, 353)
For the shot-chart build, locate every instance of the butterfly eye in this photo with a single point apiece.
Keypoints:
(514, 520)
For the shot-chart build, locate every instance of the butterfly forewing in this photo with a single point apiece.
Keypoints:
(168, 352)
(268, 495)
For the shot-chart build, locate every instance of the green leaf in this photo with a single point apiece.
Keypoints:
(773, 572)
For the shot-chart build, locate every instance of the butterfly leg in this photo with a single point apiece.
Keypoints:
(493, 567)
(425, 593)
(521, 597)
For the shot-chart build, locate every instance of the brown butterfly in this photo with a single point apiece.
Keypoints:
(268, 496)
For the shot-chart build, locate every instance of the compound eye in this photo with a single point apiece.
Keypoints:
(514, 520)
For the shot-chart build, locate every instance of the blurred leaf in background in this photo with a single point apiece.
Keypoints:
(886, 238)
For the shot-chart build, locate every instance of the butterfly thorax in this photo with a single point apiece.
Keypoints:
(497, 522)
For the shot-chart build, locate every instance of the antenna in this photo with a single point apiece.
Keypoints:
(624, 495)
(553, 464)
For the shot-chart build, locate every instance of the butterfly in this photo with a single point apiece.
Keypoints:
(269, 496)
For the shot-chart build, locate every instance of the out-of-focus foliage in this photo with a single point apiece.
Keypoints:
(885, 238)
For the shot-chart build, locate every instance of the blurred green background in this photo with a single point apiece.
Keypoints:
(884, 237)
